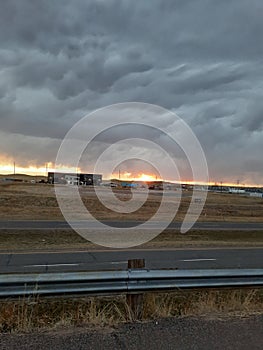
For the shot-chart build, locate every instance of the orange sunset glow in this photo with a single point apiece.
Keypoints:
(11, 168)
(137, 177)
(8, 168)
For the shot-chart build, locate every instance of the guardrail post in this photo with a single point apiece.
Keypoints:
(135, 301)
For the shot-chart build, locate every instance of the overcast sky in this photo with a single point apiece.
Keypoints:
(202, 59)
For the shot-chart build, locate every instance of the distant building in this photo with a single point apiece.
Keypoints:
(237, 190)
(218, 188)
(129, 185)
(256, 194)
(155, 185)
(74, 179)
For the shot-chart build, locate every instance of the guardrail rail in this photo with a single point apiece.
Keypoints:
(128, 281)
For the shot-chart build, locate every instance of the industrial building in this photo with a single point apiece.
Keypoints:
(74, 179)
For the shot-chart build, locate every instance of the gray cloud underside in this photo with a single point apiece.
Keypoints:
(199, 58)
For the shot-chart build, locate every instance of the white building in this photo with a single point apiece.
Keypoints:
(72, 180)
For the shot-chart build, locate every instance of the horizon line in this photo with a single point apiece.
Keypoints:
(211, 183)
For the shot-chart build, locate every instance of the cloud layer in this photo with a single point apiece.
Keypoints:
(199, 58)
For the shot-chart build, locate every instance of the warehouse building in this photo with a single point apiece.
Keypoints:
(74, 179)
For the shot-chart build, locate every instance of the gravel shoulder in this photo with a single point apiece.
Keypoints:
(171, 333)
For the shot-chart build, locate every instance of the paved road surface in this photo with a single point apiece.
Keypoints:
(167, 334)
(49, 224)
(110, 259)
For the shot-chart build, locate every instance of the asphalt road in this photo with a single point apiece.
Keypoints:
(117, 259)
(167, 334)
(53, 224)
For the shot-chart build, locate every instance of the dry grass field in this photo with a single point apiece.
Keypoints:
(53, 240)
(28, 202)
(38, 202)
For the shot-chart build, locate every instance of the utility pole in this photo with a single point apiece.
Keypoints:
(14, 168)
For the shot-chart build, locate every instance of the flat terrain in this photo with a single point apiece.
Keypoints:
(54, 239)
(38, 202)
(22, 177)
(227, 219)
(43, 242)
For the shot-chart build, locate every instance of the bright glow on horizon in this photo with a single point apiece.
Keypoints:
(8, 169)
(137, 177)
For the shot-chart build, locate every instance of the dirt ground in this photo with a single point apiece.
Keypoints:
(38, 202)
(11, 240)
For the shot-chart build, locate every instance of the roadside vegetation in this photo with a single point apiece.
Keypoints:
(34, 314)
(30, 240)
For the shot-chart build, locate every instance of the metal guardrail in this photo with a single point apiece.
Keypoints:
(129, 281)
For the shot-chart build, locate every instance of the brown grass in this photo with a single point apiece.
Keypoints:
(11, 240)
(38, 201)
(26, 240)
(26, 315)
(28, 202)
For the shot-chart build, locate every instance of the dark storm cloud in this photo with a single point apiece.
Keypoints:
(200, 58)
(252, 117)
